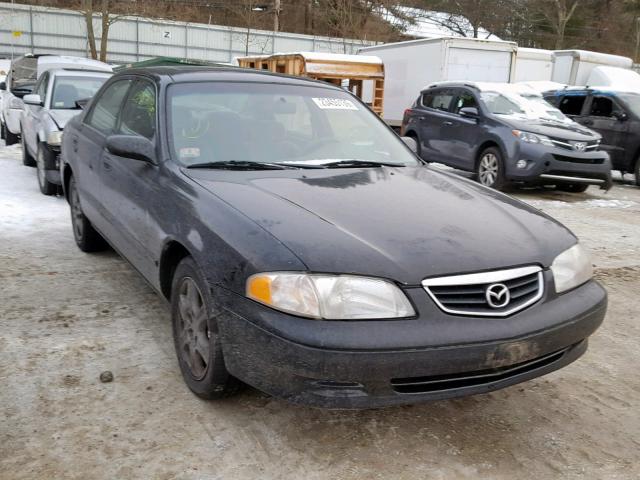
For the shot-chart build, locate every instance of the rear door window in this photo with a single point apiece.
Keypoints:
(572, 104)
(439, 100)
(104, 114)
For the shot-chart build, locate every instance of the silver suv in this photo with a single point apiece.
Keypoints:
(52, 104)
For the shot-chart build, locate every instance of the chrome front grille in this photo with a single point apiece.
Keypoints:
(576, 146)
(489, 294)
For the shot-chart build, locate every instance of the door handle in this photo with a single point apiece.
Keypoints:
(107, 166)
(447, 124)
(74, 144)
(587, 122)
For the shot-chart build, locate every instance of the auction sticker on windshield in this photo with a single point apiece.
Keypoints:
(335, 104)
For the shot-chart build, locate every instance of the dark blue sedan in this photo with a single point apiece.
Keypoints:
(307, 251)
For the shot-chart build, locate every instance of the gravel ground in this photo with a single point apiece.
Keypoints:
(66, 317)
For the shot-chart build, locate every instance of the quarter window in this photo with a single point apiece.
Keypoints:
(139, 113)
(104, 114)
(572, 104)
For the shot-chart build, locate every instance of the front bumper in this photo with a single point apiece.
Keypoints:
(552, 165)
(338, 365)
(52, 164)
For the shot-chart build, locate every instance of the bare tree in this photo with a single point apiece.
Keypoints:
(107, 18)
(558, 13)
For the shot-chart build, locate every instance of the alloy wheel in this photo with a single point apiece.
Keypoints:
(488, 169)
(194, 335)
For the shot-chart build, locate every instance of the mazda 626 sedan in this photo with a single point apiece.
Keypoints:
(307, 251)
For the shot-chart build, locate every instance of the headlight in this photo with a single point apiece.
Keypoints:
(331, 297)
(571, 268)
(16, 103)
(54, 138)
(529, 137)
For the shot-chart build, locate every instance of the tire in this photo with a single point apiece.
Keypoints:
(86, 237)
(2, 134)
(27, 159)
(46, 187)
(490, 169)
(195, 335)
(10, 138)
(573, 187)
(636, 172)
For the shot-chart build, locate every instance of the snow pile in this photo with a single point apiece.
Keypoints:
(420, 23)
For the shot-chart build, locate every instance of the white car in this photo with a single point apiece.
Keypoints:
(46, 112)
(22, 76)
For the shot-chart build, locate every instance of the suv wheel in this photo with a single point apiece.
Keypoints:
(46, 187)
(636, 172)
(2, 130)
(87, 238)
(27, 159)
(490, 169)
(195, 334)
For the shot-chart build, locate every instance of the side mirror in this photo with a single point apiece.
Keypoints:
(133, 147)
(620, 116)
(3, 85)
(80, 104)
(411, 143)
(469, 112)
(32, 99)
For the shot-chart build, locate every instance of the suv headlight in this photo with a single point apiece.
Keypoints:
(571, 268)
(54, 138)
(331, 297)
(529, 137)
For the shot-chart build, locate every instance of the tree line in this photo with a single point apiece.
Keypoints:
(611, 26)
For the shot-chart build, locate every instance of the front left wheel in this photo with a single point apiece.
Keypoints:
(86, 237)
(46, 187)
(196, 335)
(10, 138)
(490, 169)
(27, 158)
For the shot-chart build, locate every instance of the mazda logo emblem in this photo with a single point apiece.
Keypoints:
(579, 146)
(497, 295)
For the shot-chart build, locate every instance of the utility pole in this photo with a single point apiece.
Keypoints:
(276, 15)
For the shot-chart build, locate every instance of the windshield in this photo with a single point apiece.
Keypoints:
(272, 123)
(526, 105)
(67, 90)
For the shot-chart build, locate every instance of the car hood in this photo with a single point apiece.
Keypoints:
(400, 223)
(551, 128)
(62, 117)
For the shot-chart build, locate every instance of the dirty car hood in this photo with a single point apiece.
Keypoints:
(552, 128)
(400, 223)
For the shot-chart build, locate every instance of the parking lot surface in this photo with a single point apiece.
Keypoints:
(66, 317)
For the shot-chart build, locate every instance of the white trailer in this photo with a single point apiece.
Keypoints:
(534, 65)
(573, 67)
(410, 66)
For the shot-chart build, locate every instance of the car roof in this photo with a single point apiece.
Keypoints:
(577, 90)
(500, 87)
(192, 73)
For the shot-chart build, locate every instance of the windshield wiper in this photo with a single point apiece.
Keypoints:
(346, 163)
(241, 165)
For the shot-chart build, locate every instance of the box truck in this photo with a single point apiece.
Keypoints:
(410, 66)
(573, 67)
(533, 65)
